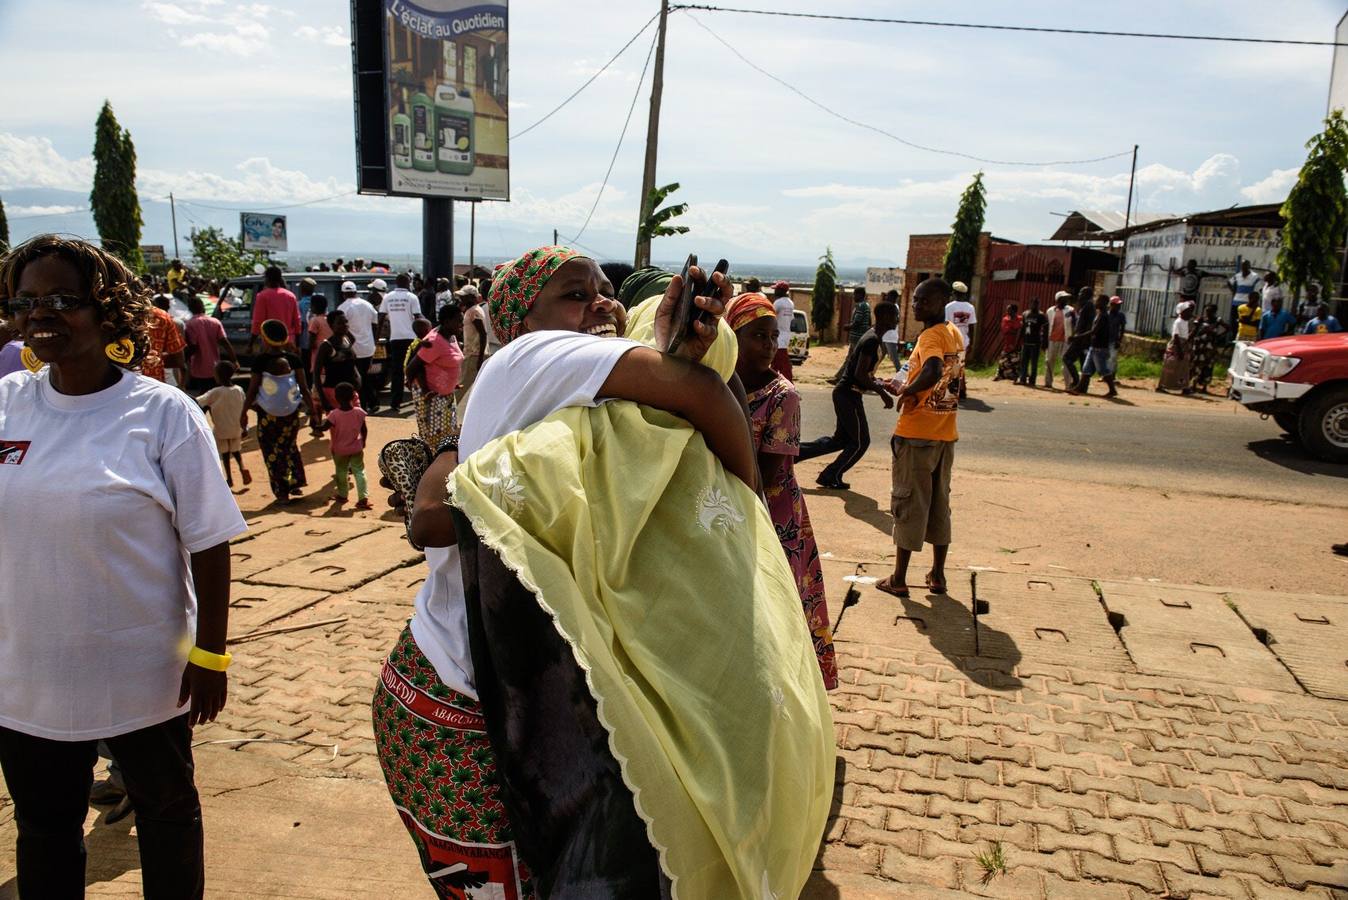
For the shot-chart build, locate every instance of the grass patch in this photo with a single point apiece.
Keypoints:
(992, 862)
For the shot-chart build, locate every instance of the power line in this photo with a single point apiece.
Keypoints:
(67, 212)
(588, 81)
(889, 134)
(628, 121)
(988, 27)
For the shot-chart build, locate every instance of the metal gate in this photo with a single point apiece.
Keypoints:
(1018, 274)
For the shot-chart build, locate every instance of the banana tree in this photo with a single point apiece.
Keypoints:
(655, 221)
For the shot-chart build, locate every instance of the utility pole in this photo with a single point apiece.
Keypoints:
(554, 237)
(1129, 212)
(643, 254)
(173, 214)
(472, 238)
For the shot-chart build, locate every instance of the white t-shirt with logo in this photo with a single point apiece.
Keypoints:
(786, 314)
(528, 380)
(361, 316)
(401, 307)
(105, 495)
(961, 314)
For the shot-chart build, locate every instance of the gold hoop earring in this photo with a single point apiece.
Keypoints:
(30, 360)
(121, 351)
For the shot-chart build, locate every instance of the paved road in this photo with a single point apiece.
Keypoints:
(1208, 447)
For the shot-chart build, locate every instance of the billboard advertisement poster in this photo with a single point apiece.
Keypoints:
(263, 231)
(447, 98)
(880, 281)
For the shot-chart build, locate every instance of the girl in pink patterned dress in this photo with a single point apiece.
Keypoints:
(774, 406)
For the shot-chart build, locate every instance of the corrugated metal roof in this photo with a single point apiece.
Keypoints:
(1095, 225)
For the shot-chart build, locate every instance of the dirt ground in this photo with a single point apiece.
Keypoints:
(1183, 529)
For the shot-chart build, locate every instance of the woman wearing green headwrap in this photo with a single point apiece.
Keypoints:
(656, 717)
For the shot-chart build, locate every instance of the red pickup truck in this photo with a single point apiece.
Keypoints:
(1302, 382)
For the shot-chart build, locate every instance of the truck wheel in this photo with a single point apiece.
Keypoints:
(1324, 425)
(1289, 423)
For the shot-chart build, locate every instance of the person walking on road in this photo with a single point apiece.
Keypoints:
(1059, 329)
(1097, 351)
(890, 339)
(1118, 327)
(1078, 343)
(401, 308)
(852, 435)
(362, 322)
(279, 391)
(861, 317)
(1032, 331)
(785, 310)
(924, 439)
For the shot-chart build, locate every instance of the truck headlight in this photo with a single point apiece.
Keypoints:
(1278, 366)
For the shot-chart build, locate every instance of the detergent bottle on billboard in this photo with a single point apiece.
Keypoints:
(454, 152)
(423, 133)
(402, 134)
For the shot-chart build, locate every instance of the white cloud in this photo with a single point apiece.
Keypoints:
(331, 35)
(18, 212)
(1273, 189)
(237, 31)
(32, 162)
(173, 14)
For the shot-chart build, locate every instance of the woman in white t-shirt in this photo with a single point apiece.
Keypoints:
(114, 575)
(554, 311)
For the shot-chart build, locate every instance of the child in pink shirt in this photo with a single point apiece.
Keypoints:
(347, 434)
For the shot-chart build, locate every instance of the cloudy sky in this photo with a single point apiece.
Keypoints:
(249, 105)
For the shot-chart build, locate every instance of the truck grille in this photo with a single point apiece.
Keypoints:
(1254, 362)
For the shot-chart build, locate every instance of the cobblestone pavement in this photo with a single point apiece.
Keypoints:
(1028, 754)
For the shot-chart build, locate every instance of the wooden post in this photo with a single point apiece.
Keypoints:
(643, 254)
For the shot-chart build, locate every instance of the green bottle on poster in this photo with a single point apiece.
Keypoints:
(402, 135)
(423, 137)
(454, 152)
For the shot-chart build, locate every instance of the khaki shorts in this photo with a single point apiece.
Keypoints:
(228, 445)
(920, 492)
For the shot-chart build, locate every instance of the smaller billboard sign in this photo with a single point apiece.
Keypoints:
(153, 254)
(263, 231)
(884, 280)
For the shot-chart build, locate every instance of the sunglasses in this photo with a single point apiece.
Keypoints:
(55, 302)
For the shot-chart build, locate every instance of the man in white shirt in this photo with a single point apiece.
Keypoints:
(785, 308)
(964, 316)
(401, 307)
(363, 320)
(1243, 283)
(1058, 324)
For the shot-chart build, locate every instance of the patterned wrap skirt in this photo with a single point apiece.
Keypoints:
(441, 773)
(437, 416)
(277, 437)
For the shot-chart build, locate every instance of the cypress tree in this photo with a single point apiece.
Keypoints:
(113, 200)
(4, 229)
(961, 254)
(1317, 212)
(825, 290)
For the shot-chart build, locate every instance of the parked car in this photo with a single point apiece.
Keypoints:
(798, 345)
(235, 309)
(1302, 382)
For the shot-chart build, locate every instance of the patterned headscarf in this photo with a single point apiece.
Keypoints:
(746, 308)
(515, 286)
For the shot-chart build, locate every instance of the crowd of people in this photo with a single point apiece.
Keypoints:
(541, 721)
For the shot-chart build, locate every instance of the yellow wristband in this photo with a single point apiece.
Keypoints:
(216, 662)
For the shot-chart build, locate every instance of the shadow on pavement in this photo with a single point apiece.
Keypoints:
(1289, 454)
(858, 506)
(818, 888)
(973, 404)
(949, 625)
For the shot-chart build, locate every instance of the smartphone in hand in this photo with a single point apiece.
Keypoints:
(687, 312)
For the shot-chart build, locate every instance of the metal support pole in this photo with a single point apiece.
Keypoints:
(472, 238)
(173, 213)
(437, 238)
(1127, 215)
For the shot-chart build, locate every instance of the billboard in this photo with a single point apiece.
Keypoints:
(263, 231)
(432, 98)
(1338, 71)
(882, 280)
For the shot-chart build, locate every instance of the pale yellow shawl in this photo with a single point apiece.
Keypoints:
(665, 576)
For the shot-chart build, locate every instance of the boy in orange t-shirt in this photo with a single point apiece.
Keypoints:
(924, 440)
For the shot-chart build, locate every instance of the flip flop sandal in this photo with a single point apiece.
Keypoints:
(884, 586)
(938, 588)
(403, 462)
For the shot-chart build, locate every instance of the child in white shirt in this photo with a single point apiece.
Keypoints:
(225, 403)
